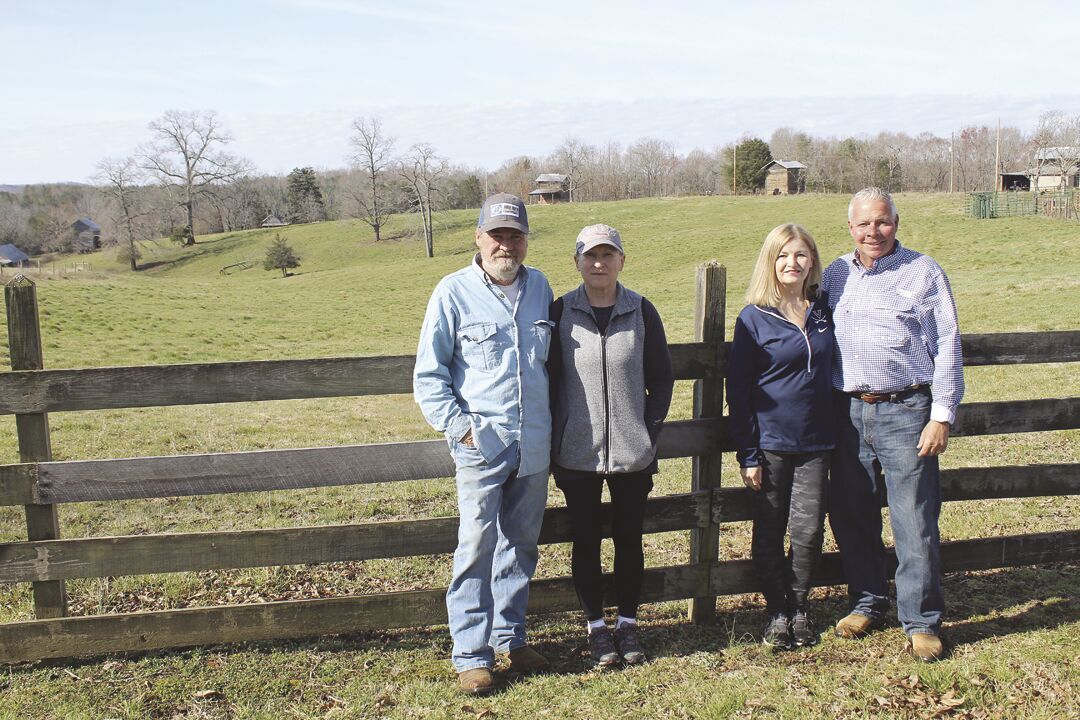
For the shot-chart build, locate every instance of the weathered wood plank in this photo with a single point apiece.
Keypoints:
(35, 443)
(1016, 416)
(1021, 348)
(181, 475)
(982, 483)
(735, 577)
(709, 316)
(35, 391)
(178, 552)
(200, 383)
(134, 632)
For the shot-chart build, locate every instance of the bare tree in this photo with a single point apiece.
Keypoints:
(572, 157)
(373, 155)
(422, 169)
(120, 179)
(655, 160)
(186, 154)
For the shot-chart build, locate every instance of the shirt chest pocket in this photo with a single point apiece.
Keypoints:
(893, 321)
(480, 346)
(541, 332)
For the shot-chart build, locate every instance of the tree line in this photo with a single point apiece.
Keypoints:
(182, 181)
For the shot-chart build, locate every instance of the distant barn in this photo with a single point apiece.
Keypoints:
(273, 221)
(785, 177)
(551, 188)
(86, 235)
(11, 256)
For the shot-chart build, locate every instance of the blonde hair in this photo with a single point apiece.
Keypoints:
(764, 288)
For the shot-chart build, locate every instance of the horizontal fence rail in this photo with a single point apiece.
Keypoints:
(133, 632)
(39, 391)
(215, 473)
(187, 552)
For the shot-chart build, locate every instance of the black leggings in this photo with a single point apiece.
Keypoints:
(792, 496)
(629, 491)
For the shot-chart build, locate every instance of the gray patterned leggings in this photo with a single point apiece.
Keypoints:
(792, 498)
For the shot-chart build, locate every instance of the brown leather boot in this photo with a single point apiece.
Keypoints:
(526, 660)
(856, 626)
(477, 681)
(926, 647)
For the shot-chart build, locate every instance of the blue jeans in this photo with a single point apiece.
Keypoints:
(882, 439)
(500, 517)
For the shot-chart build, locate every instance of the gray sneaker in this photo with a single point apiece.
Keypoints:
(777, 634)
(626, 638)
(602, 647)
(802, 630)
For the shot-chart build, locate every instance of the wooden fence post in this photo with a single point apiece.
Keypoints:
(24, 344)
(709, 312)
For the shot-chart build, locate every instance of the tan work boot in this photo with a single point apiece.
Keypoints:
(477, 681)
(526, 660)
(926, 647)
(856, 626)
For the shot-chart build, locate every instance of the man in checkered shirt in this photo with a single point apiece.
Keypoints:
(898, 373)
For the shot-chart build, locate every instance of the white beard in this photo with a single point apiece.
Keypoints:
(503, 269)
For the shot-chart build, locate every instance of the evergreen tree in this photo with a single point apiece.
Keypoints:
(304, 196)
(751, 157)
(280, 255)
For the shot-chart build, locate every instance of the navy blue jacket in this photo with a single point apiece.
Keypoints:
(779, 385)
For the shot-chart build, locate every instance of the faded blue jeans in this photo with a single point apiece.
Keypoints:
(501, 513)
(879, 439)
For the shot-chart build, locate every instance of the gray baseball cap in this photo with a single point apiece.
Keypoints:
(595, 235)
(503, 210)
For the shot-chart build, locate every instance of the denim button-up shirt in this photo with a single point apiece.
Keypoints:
(480, 364)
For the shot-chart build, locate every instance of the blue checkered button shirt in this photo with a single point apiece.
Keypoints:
(896, 327)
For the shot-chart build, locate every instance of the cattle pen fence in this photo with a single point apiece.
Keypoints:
(40, 484)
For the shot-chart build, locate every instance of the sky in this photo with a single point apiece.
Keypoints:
(485, 82)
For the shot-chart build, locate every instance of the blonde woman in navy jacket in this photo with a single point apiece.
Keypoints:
(780, 401)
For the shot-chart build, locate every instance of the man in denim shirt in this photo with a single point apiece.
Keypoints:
(480, 379)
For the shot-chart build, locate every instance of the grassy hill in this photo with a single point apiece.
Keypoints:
(352, 296)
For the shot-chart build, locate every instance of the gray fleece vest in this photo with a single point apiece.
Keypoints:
(598, 419)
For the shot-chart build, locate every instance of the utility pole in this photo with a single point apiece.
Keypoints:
(734, 160)
(997, 160)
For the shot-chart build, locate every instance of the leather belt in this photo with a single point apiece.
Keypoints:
(891, 397)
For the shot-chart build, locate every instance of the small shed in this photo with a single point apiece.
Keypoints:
(785, 177)
(272, 220)
(86, 235)
(12, 256)
(551, 188)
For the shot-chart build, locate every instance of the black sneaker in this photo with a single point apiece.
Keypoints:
(602, 647)
(802, 630)
(626, 638)
(777, 634)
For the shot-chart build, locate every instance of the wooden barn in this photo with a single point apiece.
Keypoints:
(86, 235)
(11, 256)
(785, 177)
(551, 188)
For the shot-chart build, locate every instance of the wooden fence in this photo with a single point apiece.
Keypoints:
(39, 484)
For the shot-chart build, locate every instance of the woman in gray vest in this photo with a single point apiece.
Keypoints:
(611, 382)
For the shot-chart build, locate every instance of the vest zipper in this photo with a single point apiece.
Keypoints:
(607, 408)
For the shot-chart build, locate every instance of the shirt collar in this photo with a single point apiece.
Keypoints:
(883, 263)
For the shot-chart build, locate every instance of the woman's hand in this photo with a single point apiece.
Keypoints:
(752, 477)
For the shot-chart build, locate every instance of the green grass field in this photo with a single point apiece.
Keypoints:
(1015, 629)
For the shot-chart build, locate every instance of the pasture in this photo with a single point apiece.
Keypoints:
(1015, 629)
